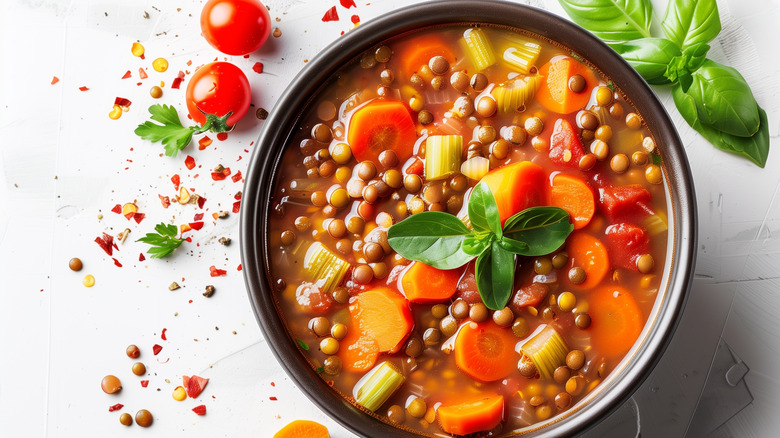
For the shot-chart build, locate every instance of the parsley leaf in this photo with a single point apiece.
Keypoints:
(171, 133)
(164, 242)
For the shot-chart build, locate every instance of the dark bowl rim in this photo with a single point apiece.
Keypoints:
(278, 130)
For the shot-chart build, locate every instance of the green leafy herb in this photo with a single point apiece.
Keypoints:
(163, 242)
(320, 370)
(612, 20)
(302, 344)
(171, 133)
(691, 22)
(714, 99)
(441, 240)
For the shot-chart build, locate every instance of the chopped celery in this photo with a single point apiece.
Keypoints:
(324, 268)
(522, 55)
(479, 48)
(514, 93)
(381, 383)
(656, 223)
(442, 155)
(547, 350)
(475, 168)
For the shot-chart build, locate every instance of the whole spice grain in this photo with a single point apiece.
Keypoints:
(174, 286)
(224, 240)
(209, 291)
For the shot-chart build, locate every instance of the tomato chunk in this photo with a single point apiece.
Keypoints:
(625, 202)
(625, 243)
(565, 146)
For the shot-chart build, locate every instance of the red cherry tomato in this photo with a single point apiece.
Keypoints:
(218, 88)
(235, 27)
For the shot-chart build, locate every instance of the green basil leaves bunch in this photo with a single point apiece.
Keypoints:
(443, 241)
(713, 98)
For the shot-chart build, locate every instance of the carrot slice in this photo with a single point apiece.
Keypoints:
(303, 429)
(485, 351)
(380, 125)
(380, 321)
(590, 254)
(516, 187)
(554, 93)
(417, 53)
(575, 196)
(616, 320)
(471, 416)
(422, 283)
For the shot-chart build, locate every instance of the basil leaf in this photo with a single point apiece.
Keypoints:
(483, 211)
(612, 20)
(495, 274)
(724, 99)
(431, 237)
(691, 22)
(476, 244)
(649, 57)
(513, 246)
(543, 229)
(755, 148)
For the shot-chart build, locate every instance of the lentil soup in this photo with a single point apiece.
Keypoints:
(415, 125)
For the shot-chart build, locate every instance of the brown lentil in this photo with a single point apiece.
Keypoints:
(459, 309)
(486, 134)
(111, 384)
(341, 295)
(412, 183)
(533, 126)
(575, 359)
(503, 317)
(520, 327)
(604, 96)
(448, 325)
(561, 374)
(132, 351)
(639, 158)
(287, 237)
(653, 174)
(425, 117)
(75, 264)
(514, 134)
(366, 170)
(577, 275)
(322, 133)
(616, 111)
(589, 121)
(603, 133)
(459, 81)
(619, 163)
(542, 265)
(139, 369)
(582, 320)
(383, 53)
(479, 82)
(645, 263)
(600, 149)
(432, 336)
(362, 274)
(156, 92)
(459, 183)
(486, 106)
(143, 418)
(332, 365)
(478, 312)
(126, 419)
(563, 400)
(559, 260)
(633, 121)
(393, 178)
(500, 149)
(396, 414)
(526, 368)
(414, 347)
(439, 65)
(587, 162)
(417, 407)
(388, 158)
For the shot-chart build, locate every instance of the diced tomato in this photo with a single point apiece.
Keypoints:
(194, 385)
(565, 146)
(201, 201)
(204, 142)
(236, 177)
(166, 201)
(219, 176)
(138, 217)
(312, 299)
(189, 162)
(530, 295)
(196, 225)
(198, 216)
(625, 202)
(331, 15)
(200, 409)
(117, 209)
(467, 287)
(176, 180)
(236, 206)
(156, 349)
(214, 272)
(625, 243)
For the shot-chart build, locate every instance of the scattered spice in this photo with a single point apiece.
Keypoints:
(174, 286)
(165, 201)
(54, 80)
(222, 214)
(224, 240)
(176, 180)
(115, 407)
(272, 398)
(142, 73)
(302, 344)
(222, 136)
(355, 19)
(128, 74)
(116, 262)
(261, 113)
(214, 272)
(141, 257)
(122, 236)
(121, 101)
(144, 383)
(137, 49)
(278, 32)
(236, 177)
(83, 88)
(209, 291)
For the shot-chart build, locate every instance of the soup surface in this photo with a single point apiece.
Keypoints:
(418, 124)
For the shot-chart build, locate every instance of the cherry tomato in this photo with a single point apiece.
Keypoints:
(218, 88)
(235, 27)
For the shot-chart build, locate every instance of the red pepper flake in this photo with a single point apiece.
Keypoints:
(196, 225)
(156, 349)
(121, 101)
(355, 19)
(222, 136)
(141, 257)
(198, 216)
(201, 201)
(162, 335)
(166, 201)
(138, 217)
(348, 3)
(194, 385)
(219, 176)
(272, 398)
(189, 62)
(273, 384)
(142, 73)
(236, 177)
(239, 268)
(83, 88)
(237, 196)
(176, 180)
(106, 241)
(214, 272)
(331, 15)
(115, 407)
(200, 410)
(144, 383)
(236, 206)
(54, 80)
(116, 262)
(177, 83)
(204, 142)
(127, 75)
(258, 67)
(189, 162)
(117, 209)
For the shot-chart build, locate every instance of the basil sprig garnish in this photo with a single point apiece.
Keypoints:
(443, 241)
(714, 99)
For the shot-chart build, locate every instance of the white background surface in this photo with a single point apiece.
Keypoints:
(64, 162)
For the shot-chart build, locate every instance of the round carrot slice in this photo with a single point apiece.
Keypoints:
(616, 320)
(575, 196)
(303, 429)
(554, 93)
(590, 254)
(485, 351)
(380, 125)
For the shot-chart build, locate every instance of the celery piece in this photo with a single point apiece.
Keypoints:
(324, 268)
(479, 49)
(475, 168)
(442, 156)
(382, 382)
(514, 93)
(656, 223)
(522, 55)
(547, 350)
